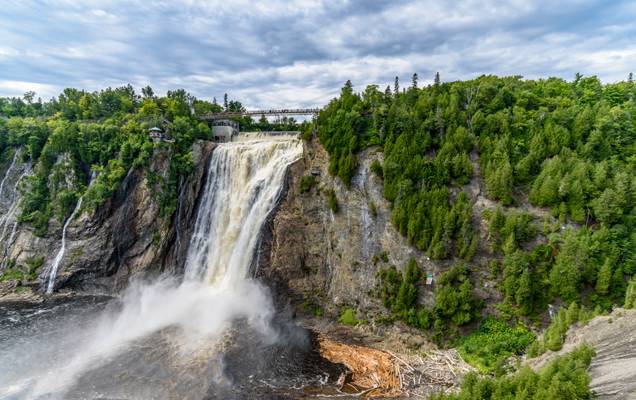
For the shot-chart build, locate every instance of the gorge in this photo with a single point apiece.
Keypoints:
(386, 249)
(194, 315)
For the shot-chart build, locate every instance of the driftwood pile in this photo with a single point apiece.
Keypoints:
(382, 373)
(437, 370)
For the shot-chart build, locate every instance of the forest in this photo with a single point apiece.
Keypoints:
(557, 159)
(80, 133)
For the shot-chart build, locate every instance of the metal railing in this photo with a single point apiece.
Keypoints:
(284, 111)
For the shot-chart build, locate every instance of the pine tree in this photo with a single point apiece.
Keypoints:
(226, 105)
(414, 80)
(523, 296)
(437, 80)
(604, 278)
(387, 92)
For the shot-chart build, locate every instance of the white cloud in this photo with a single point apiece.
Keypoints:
(18, 88)
(288, 52)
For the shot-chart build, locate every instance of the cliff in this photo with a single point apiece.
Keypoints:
(329, 260)
(123, 237)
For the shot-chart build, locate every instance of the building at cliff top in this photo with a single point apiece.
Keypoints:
(224, 130)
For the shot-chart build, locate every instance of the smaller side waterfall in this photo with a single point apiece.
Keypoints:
(6, 174)
(6, 218)
(60, 254)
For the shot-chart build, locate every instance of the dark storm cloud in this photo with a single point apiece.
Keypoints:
(299, 52)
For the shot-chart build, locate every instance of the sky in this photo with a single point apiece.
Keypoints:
(298, 53)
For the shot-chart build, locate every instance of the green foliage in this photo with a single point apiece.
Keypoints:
(376, 168)
(565, 146)
(306, 183)
(313, 307)
(20, 272)
(399, 293)
(524, 279)
(489, 348)
(455, 302)
(348, 317)
(630, 294)
(105, 132)
(563, 378)
(510, 231)
(332, 200)
(554, 336)
(342, 130)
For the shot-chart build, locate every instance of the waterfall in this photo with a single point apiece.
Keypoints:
(60, 254)
(6, 174)
(244, 181)
(4, 221)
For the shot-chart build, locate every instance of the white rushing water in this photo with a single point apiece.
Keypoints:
(60, 254)
(6, 174)
(245, 178)
(244, 181)
(11, 214)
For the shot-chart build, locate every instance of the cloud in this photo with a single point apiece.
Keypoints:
(299, 52)
(18, 88)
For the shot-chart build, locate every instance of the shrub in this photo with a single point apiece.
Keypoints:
(19, 272)
(376, 168)
(306, 183)
(565, 377)
(373, 209)
(333, 201)
(554, 336)
(348, 317)
(488, 348)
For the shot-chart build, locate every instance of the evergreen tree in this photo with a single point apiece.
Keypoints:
(604, 278)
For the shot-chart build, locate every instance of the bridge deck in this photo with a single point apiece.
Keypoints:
(281, 112)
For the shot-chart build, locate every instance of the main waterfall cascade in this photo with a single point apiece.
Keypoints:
(180, 319)
(244, 180)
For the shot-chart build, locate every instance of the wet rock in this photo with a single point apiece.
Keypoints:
(124, 237)
(8, 286)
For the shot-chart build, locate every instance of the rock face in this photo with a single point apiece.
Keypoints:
(308, 254)
(124, 236)
(311, 255)
(613, 369)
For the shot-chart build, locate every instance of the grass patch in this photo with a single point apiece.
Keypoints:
(489, 348)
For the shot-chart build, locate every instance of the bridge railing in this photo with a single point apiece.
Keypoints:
(285, 111)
